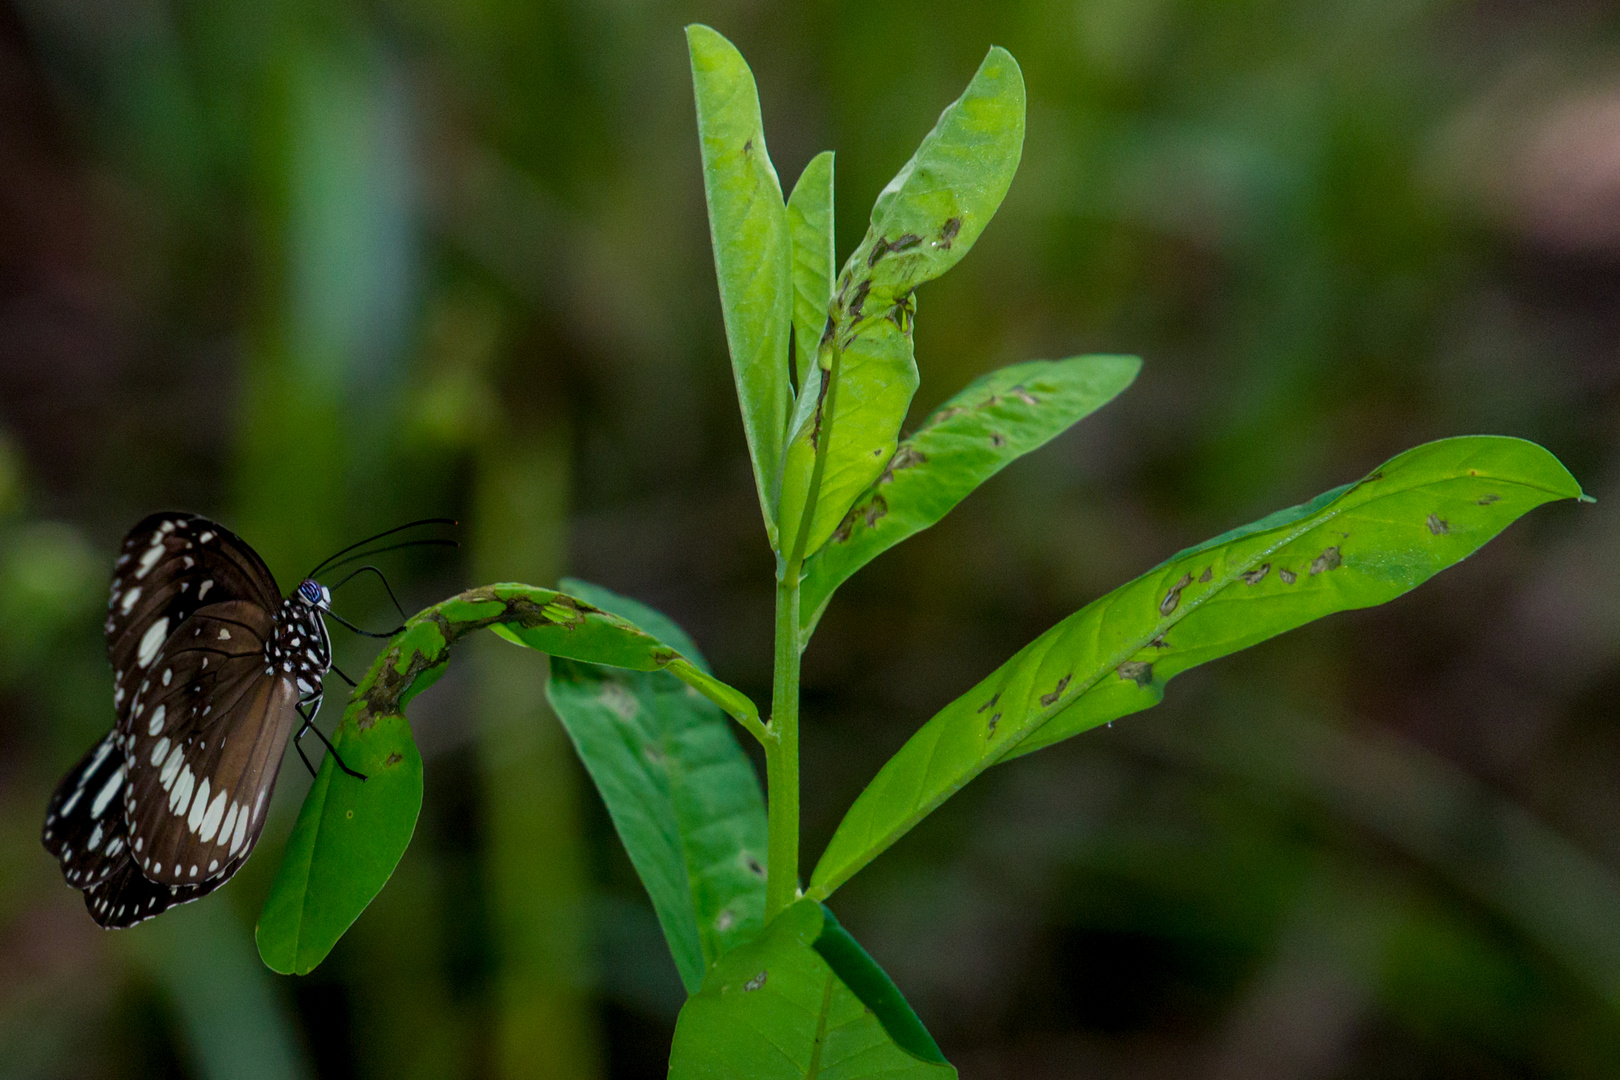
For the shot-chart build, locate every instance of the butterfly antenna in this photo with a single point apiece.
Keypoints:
(385, 585)
(386, 532)
(357, 556)
(341, 621)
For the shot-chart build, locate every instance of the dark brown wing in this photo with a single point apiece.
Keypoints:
(170, 566)
(204, 737)
(84, 824)
(127, 896)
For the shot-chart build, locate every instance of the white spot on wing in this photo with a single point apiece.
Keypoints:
(202, 590)
(149, 559)
(205, 537)
(129, 600)
(230, 823)
(180, 794)
(241, 833)
(210, 821)
(108, 790)
(224, 634)
(152, 641)
(199, 807)
(154, 726)
(171, 768)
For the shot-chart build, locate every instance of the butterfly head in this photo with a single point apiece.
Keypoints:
(315, 594)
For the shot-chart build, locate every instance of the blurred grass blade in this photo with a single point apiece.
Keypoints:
(924, 221)
(775, 1009)
(810, 218)
(351, 833)
(1355, 546)
(682, 794)
(973, 436)
(748, 225)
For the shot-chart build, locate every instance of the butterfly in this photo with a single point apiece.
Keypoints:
(211, 668)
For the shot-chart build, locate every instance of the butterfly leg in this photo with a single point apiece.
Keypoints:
(308, 726)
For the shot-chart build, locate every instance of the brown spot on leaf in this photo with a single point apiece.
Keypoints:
(1255, 576)
(1330, 559)
(1438, 525)
(749, 145)
(1379, 475)
(1159, 643)
(1287, 575)
(879, 249)
(1173, 597)
(392, 759)
(1057, 691)
(995, 697)
(904, 458)
(990, 730)
(1488, 499)
(859, 299)
(876, 510)
(753, 865)
(1137, 671)
(755, 983)
(948, 231)
(905, 242)
(997, 439)
(1209, 572)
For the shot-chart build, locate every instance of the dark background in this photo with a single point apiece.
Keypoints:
(316, 269)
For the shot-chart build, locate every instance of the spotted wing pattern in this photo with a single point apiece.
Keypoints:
(210, 665)
(170, 566)
(204, 738)
(84, 824)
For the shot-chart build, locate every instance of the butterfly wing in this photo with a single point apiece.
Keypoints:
(170, 566)
(84, 824)
(203, 738)
(127, 896)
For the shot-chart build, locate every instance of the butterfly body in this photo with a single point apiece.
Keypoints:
(212, 667)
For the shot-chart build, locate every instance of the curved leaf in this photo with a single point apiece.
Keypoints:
(999, 417)
(748, 226)
(683, 796)
(1352, 547)
(351, 833)
(774, 1009)
(924, 221)
(810, 218)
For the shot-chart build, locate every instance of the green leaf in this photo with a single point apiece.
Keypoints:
(351, 833)
(748, 225)
(682, 794)
(1356, 546)
(775, 1009)
(810, 217)
(349, 836)
(999, 417)
(925, 220)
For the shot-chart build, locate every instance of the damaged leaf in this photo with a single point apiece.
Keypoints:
(952, 454)
(1373, 540)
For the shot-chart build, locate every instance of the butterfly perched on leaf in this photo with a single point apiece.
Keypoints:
(211, 668)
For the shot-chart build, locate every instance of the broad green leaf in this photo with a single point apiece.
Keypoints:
(926, 219)
(351, 833)
(776, 1009)
(1355, 546)
(999, 417)
(810, 217)
(748, 226)
(682, 794)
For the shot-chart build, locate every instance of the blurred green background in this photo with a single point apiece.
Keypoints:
(316, 269)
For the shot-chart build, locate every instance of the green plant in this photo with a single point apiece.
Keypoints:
(777, 987)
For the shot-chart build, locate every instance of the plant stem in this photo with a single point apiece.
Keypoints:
(782, 753)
